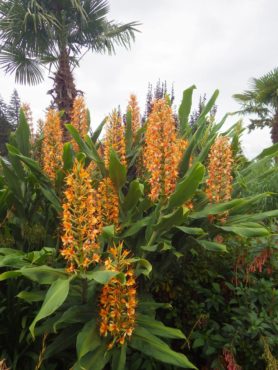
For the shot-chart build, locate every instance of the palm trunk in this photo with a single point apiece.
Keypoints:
(274, 129)
(64, 90)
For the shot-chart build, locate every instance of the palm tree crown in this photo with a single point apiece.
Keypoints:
(56, 33)
(262, 100)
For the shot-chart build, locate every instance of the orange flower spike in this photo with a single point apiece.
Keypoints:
(118, 300)
(79, 119)
(219, 181)
(109, 203)
(81, 221)
(161, 152)
(52, 146)
(114, 138)
(133, 107)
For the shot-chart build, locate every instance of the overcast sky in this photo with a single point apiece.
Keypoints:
(212, 44)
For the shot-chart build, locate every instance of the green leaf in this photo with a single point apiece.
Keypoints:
(73, 315)
(91, 152)
(11, 179)
(255, 217)
(191, 230)
(108, 231)
(98, 130)
(212, 246)
(68, 157)
(119, 358)
(185, 108)
(117, 171)
(43, 274)
(30, 297)
(186, 188)
(247, 229)
(144, 267)
(88, 339)
(175, 218)
(135, 192)
(136, 227)
(101, 276)
(142, 340)
(9, 275)
(158, 328)
(22, 135)
(50, 195)
(95, 360)
(55, 297)
(272, 151)
(200, 124)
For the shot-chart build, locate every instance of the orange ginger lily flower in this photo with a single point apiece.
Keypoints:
(118, 299)
(79, 119)
(109, 203)
(81, 221)
(114, 138)
(134, 109)
(161, 152)
(52, 146)
(219, 182)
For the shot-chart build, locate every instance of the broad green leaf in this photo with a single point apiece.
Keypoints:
(55, 297)
(158, 328)
(98, 130)
(185, 108)
(119, 358)
(22, 134)
(135, 192)
(88, 339)
(252, 217)
(136, 227)
(32, 296)
(95, 360)
(50, 195)
(247, 229)
(272, 151)
(9, 275)
(142, 340)
(212, 246)
(68, 157)
(91, 152)
(73, 315)
(186, 188)
(11, 179)
(200, 124)
(144, 267)
(43, 274)
(175, 218)
(117, 171)
(101, 276)
(108, 231)
(191, 230)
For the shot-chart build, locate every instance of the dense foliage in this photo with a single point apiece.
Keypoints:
(140, 249)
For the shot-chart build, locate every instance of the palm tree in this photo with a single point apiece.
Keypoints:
(262, 100)
(35, 34)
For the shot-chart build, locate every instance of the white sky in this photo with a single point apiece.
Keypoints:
(209, 43)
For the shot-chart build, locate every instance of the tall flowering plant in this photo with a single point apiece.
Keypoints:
(114, 230)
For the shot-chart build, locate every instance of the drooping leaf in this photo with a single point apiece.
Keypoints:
(101, 276)
(55, 297)
(247, 229)
(147, 343)
(212, 246)
(158, 328)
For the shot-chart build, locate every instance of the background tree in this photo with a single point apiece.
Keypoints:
(262, 100)
(9, 116)
(36, 33)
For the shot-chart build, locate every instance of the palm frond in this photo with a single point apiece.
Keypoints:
(27, 70)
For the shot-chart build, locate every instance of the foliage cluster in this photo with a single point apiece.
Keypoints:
(126, 253)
